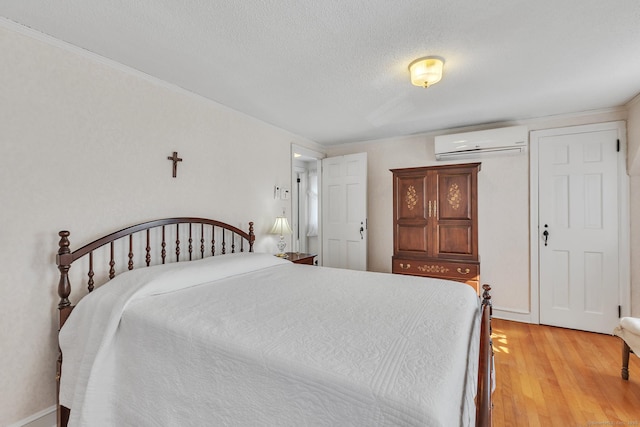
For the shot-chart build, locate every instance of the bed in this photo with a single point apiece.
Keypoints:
(211, 333)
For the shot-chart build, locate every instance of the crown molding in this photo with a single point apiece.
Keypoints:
(634, 101)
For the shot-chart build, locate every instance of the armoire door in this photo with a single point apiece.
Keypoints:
(453, 213)
(413, 232)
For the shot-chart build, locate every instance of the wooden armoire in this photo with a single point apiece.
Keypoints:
(435, 222)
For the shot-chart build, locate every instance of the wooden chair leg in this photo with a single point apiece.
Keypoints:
(625, 361)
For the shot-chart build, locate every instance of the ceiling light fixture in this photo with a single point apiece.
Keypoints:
(426, 71)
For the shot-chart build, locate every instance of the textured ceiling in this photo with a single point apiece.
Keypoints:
(336, 70)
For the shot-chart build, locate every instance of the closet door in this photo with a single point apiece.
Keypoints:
(344, 211)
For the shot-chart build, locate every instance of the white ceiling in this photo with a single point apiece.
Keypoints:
(336, 70)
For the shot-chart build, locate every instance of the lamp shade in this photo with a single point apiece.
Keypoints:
(426, 71)
(281, 226)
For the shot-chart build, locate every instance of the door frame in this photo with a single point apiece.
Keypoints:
(624, 229)
(308, 153)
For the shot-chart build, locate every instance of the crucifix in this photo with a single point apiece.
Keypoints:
(175, 160)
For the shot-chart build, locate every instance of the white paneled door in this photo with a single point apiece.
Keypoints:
(578, 225)
(344, 211)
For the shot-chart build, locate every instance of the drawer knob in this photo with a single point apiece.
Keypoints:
(466, 271)
(405, 267)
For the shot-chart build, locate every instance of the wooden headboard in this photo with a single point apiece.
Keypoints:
(204, 237)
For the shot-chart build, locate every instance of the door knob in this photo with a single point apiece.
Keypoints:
(545, 233)
(361, 231)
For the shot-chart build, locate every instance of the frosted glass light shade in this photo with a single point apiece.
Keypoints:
(426, 71)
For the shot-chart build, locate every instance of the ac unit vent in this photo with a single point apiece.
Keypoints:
(492, 142)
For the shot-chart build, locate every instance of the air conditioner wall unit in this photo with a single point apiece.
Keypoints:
(491, 142)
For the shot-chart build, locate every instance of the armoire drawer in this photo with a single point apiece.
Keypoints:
(444, 270)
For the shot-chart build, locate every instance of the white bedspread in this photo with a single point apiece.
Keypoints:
(251, 340)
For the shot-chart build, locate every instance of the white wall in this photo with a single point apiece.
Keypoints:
(84, 148)
(503, 204)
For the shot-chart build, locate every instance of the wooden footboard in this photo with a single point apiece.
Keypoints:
(204, 237)
(484, 404)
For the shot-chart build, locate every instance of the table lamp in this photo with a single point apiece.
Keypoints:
(281, 227)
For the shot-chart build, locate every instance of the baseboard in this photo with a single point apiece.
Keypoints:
(44, 418)
(510, 314)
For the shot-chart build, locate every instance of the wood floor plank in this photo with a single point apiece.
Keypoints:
(549, 376)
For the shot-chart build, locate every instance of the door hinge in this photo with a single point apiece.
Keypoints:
(618, 146)
(619, 311)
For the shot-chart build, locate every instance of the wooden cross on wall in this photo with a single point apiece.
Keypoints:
(175, 160)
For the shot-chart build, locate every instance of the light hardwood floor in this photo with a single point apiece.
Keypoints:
(548, 376)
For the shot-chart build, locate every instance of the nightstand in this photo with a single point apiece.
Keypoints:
(300, 258)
